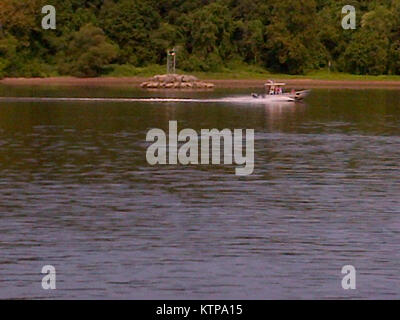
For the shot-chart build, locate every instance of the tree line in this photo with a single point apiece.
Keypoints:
(285, 36)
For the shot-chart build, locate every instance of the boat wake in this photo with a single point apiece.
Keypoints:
(240, 99)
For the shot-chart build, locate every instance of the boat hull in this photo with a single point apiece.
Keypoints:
(300, 95)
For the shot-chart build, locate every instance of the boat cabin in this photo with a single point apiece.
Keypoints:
(274, 88)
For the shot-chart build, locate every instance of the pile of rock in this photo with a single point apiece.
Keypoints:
(176, 81)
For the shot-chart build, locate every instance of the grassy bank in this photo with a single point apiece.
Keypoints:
(231, 72)
(237, 76)
(243, 72)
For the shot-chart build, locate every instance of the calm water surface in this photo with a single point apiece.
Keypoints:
(77, 193)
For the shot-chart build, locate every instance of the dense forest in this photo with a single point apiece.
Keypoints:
(285, 36)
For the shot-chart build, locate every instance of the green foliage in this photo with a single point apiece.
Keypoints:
(131, 37)
(88, 53)
(367, 53)
(206, 37)
(368, 50)
(129, 23)
(8, 48)
(293, 44)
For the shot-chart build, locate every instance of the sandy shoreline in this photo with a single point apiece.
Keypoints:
(226, 83)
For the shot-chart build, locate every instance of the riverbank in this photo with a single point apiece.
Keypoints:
(219, 83)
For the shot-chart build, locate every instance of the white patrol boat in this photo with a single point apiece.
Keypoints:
(274, 92)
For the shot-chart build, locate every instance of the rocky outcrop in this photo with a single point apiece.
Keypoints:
(176, 81)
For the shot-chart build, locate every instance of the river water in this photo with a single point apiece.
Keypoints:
(77, 193)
